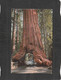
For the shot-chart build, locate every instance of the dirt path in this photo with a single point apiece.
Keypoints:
(32, 69)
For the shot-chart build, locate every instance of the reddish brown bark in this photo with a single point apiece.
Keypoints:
(31, 40)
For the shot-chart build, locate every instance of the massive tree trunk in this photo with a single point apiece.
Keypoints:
(31, 40)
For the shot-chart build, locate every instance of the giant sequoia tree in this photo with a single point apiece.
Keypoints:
(31, 40)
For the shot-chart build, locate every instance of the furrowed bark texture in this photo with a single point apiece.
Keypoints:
(31, 40)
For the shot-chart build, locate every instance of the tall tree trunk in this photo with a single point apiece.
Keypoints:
(14, 31)
(31, 40)
(44, 30)
(18, 28)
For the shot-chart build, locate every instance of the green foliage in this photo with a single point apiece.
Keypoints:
(46, 26)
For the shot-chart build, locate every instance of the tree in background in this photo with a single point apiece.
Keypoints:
(14, 31)
(45, 23)
(18, 26)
